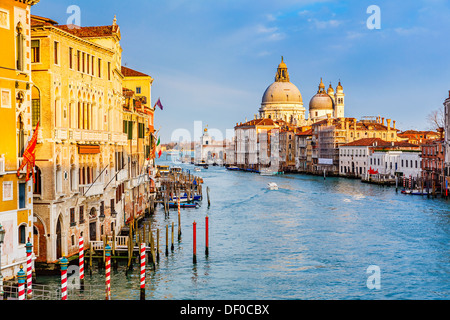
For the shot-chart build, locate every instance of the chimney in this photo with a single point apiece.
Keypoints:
(382, 121)
(388, 123)
(255, 116)
(394, 124)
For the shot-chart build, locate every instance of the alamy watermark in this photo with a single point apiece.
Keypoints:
(374, 20)
(74, 20)
(374, 279)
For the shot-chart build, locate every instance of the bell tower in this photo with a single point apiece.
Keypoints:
(339, 101)
(282, 72)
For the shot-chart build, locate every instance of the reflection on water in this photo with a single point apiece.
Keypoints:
(311, 239)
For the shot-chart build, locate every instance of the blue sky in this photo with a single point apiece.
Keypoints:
(213, 60)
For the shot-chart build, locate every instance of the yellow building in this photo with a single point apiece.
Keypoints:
(80, 161)
(136, 116)
(16, 208)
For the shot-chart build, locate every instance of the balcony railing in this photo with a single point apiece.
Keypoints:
(90, 190)
(90, 136)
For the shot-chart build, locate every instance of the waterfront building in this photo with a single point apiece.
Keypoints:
(78, 100)
(303, 150)
(138, 164)
(209, 151)
(433, 160)
(257, 144)
(400, 158)
(287, 148)
(329, 134)
(16, 194)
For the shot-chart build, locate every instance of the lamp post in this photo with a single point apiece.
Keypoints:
(2, 237)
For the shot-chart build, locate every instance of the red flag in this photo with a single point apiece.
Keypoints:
(29, 156)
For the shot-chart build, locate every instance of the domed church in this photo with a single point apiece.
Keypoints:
(282, 100)
(327, 103)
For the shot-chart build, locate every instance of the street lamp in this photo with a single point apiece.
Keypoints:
(2, 238)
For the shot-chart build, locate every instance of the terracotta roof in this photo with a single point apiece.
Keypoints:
(305, 133)
(127, 72)
(41, 21)
(89, 32)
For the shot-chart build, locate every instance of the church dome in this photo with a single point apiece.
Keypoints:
(282, 92)
(322, 100)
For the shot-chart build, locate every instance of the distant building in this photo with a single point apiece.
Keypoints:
(329, 134)
(397, 159)
(433, 159)
(418, 137)
(209, 151)
(303, 153)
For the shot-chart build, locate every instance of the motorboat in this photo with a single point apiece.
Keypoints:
(272, 186)
(184, 205)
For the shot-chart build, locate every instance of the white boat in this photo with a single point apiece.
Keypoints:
(197, 169)
(272, 186)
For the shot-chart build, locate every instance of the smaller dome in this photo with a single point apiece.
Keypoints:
(321, 101)
(339, 87)
(282, 65)
(330, 90)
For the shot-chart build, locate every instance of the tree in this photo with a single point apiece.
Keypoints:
(436, 119)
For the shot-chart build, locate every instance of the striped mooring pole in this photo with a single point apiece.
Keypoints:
(64, 263)
(21, 276)
(195, 241)
(142, 271)
(29, 249)
(206, 235)
(81, 261)
(108, 271)
(179, 220)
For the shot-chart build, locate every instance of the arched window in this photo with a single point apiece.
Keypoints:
(22, 234)
(35, 105)
(37, 186)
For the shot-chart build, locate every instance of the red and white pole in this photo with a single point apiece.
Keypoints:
(29, 248)
(108, 271)
(81, 260)
(142, 271)
(64, 263)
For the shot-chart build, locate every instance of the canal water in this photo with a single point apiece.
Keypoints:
(314, 238)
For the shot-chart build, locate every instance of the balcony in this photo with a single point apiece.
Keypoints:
(91, 190)
(122, 175)
(93, 136)
(61, 134)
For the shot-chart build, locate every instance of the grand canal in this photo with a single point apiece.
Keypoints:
(314, 238)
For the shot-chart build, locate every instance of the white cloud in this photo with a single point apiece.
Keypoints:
(325, 24)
